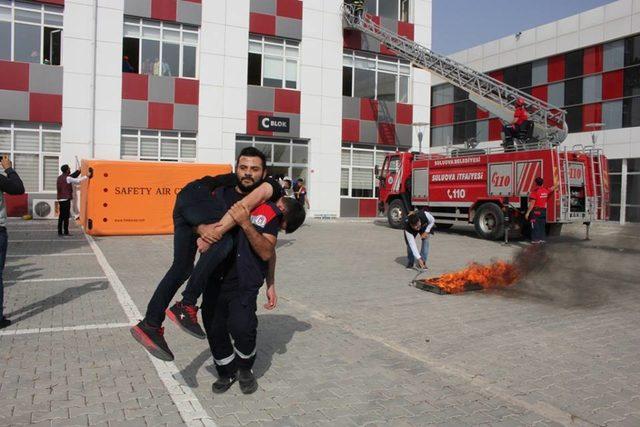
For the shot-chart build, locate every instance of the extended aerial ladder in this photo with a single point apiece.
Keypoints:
(490, 94)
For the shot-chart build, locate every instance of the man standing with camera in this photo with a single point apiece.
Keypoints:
(10, 184)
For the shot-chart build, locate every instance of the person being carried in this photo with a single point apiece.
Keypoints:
(421, 223)
(511, 130)
(537, 204)
(196, 213)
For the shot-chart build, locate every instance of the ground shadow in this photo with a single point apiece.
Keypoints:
(60, 298)
(275, 331)
(14, 273)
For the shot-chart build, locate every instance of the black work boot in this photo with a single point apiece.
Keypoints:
(186, 316)
(152, 339)
(247, 380)
(223, 384)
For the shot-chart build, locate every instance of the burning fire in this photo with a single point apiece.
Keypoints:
(497, 275)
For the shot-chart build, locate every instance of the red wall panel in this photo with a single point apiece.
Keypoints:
(350, 130)
(592, 60)
(14, 76)
(442, 115)
(352, 39)
(495, 128)
(45, 108)
(164, 9)
(406, 29)
(160, 116)
(17, 205)
(367, 207)
(252, 122)
(289, 8)
(135, 86)
(555, 68)
(186, 91)
(591, 113)
(498, 75)
(386, 134)
(612, 84)
(481, 114)
(368, 109)
(540, 92)
(287, 101)
(262, 24)
(404, 114)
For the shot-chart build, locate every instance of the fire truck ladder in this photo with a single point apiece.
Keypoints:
(495, 96)
(595, 156)
(563, 193)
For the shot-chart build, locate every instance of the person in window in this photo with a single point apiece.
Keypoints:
(10, 184)
(126, 65)
(147, 67)
(511, 130)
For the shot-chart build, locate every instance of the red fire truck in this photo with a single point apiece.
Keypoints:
(489, 188)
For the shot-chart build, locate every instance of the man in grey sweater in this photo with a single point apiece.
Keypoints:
(10, 184)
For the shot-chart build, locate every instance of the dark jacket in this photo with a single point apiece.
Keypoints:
(195, 204)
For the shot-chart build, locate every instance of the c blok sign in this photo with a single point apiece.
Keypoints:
(273, 124)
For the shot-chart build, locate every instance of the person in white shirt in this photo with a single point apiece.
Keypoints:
(64, 185)
(418, 222)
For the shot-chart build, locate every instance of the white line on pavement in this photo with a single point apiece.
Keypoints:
(57, 279)
(63, 329)
(39, 255)
(188, 405)
(59, 239)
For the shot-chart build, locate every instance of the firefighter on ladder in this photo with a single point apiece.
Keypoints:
(511, 130)
(537, 204)
(357, 7)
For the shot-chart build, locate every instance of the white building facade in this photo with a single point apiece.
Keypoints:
(588, 64)
(196, 81)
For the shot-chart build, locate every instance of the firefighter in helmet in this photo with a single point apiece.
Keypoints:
(537, 205)
(358, 8)
(511, 130)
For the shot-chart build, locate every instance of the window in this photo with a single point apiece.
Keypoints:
(159, 48)
(631, 112)
(357, 170)
(464, 132)
(573, 64)
(30, 32)
(157, 145)
(35, 151)
(289, 157)
(273, 62)
(375, 77)
(398, 10)
(574, 119)
(632, 50)
(632, 81)
(573, 92)
(519, 76)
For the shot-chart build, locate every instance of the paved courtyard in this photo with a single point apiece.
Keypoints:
(350, 343)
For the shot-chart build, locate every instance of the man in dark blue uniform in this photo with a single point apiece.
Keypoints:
(229, 302)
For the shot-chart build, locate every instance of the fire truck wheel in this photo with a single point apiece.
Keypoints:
(489, 222)
(396, 213)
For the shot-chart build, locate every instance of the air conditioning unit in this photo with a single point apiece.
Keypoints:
(44, 209)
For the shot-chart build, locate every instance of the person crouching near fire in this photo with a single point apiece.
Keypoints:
(419, 222)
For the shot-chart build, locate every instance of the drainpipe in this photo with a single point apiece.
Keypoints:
(93, 79)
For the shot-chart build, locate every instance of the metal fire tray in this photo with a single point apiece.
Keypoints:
(430, 285)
